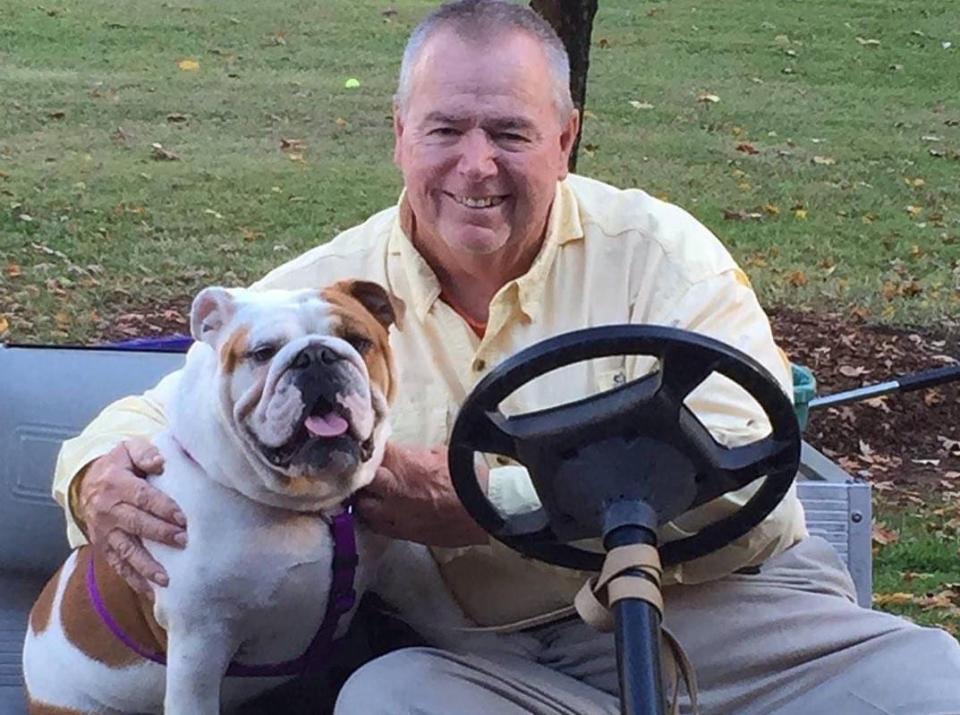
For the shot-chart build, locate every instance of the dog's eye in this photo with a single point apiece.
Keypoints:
(359, 343)
(262, 353)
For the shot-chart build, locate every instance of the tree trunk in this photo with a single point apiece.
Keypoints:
(573, 21)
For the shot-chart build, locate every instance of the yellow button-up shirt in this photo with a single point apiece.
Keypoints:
(609, 256)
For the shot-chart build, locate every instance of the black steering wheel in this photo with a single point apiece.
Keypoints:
(635, 443)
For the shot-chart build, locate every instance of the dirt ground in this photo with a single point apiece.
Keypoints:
(908, 441)
(911, 440)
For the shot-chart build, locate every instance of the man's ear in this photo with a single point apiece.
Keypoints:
(387, 309)
(398, 128)
(567, 138)
(212, 309)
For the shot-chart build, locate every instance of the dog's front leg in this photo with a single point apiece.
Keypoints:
(197, 658)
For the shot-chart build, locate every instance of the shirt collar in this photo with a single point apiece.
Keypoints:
(423, 288)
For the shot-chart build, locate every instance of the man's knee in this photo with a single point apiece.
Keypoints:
(389, 682)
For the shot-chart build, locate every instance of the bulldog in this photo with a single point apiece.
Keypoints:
(280, 415)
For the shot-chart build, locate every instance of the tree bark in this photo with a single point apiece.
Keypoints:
(573, 21)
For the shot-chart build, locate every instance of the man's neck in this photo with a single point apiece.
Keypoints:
(470, 281)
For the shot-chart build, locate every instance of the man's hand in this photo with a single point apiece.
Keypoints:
(119, 508)
(413, 498)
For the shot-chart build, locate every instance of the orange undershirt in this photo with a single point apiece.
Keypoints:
(476, 326)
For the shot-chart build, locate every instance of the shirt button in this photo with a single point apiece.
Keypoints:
(479, 365)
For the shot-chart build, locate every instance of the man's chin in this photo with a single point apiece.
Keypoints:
(475, 240)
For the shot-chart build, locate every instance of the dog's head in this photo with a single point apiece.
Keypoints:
(303, 382)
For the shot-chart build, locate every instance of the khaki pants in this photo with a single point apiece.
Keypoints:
(787, 641)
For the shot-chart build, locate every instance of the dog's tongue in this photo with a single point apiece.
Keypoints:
(329, 425)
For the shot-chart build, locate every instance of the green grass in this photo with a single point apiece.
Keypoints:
(128, 230)
(923, 563)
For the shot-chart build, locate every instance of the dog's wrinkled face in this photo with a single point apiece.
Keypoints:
(304, 379)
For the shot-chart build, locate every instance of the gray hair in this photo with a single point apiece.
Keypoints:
(481, 21)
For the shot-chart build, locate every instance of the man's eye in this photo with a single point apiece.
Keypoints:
(262, 354)
(444, 132)
(510, 137)
(359, 343)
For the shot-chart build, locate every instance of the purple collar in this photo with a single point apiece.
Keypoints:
(316, 657)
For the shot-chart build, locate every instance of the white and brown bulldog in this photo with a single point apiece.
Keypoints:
(279, 416)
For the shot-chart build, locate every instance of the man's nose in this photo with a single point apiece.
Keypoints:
(477, 156)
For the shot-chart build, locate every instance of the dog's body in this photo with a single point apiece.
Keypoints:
(278, 419)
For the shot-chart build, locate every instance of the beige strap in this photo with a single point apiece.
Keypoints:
(615, 583)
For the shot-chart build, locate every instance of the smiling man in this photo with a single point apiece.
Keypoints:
(493, 247)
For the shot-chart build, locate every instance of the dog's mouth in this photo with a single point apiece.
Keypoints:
(324, 428)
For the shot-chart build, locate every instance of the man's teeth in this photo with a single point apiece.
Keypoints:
(479, 203)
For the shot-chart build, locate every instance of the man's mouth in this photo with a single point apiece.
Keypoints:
(477, 202)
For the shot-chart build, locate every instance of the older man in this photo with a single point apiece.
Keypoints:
(493, 247)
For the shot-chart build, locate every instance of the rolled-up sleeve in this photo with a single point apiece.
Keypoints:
(138, 416)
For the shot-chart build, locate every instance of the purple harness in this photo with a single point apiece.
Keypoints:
(315, 658)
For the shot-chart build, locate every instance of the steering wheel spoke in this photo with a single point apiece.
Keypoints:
(492, 432)
(683, 372)
(744, 464)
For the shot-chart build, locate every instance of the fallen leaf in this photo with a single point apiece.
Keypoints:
(883, 535)
(868, 43)
(741, 215)
(893, 599)
(188, 65)
(176, 117)
(824, 160)
(352, 83)
(161, 154)
(4, 324)
(14, 270)
(292, 144)
(800, 214)
(771, 209)
(850, 371)
(59, 114)
(797, 279)
(708, 98)
(747, 148)
(640, 105)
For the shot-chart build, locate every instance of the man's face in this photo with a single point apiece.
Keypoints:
(481, 145)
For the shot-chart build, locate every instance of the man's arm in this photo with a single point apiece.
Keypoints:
(725, 307)
(99, 481)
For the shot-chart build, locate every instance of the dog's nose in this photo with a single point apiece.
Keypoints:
(321, 354)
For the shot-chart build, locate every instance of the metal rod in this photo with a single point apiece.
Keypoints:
(637, 634)
(904, 383)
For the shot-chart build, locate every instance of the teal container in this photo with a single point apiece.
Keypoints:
(804, 390)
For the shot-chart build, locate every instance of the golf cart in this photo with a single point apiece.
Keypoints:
(50, 394)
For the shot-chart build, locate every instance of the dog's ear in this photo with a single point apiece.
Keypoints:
(387, 309)
(212, 309)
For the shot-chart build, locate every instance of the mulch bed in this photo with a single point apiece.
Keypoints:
(905, 439)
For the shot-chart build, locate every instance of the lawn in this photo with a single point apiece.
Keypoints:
(148, 149)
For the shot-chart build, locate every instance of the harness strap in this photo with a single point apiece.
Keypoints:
(340, 599)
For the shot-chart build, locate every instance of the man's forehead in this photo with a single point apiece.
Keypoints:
(489, 118)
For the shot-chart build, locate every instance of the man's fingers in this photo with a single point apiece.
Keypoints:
(131, 553)
(150, 499)
(144, 456)
(145, 525)
(126, 572)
